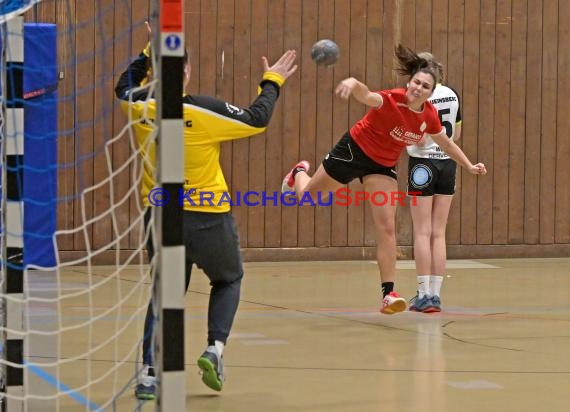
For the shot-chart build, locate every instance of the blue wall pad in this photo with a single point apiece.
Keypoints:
(40, 143)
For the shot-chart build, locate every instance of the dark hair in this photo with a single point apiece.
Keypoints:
(186, 60)
(409, 63)
(436, 66)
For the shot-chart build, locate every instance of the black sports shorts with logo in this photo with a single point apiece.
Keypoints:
(346, 162)
(428, 177)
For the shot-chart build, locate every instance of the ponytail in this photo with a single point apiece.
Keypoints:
(409, 63)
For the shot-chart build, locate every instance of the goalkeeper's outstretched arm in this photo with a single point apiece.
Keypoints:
(127, 87)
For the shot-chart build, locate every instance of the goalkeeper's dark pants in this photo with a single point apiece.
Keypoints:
(212, 243)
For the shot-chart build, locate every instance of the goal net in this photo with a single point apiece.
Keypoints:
(12, 8)
(75, 279)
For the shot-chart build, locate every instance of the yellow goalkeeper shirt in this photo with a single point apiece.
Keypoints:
(208, 122)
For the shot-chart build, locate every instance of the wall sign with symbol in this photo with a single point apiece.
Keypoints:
(172, 42)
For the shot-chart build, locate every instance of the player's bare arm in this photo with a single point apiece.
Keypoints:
(352, 87)
(449, 147)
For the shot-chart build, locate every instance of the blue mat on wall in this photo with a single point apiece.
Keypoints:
(40, 143)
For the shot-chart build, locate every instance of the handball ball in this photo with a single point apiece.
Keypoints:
(325, 52)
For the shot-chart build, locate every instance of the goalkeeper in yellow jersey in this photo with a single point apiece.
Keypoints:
(210, 233)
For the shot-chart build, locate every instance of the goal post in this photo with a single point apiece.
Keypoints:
(12, 275)
(72, 325)
(169, 284)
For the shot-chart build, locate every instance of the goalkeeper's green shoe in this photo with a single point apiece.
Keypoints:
(212, 368)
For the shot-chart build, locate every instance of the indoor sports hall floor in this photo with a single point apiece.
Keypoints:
(308, 337)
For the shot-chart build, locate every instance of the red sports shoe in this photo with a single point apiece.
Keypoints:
(289, 181)
(393, 303)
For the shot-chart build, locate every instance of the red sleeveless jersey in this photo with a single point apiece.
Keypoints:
(384, 132)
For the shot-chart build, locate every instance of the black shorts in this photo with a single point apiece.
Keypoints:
(346, 162)
(428, 177)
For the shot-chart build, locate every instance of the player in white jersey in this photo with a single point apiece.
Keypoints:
(431, 176)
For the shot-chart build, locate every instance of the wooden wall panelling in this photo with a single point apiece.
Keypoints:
(517, 126)
(484, 220)
(138, 39)
(275, 137)
(193, 35)
(84, 106)
(423, 24)
(122, 34)
(103, 233)
(224, 78)
(374, 63)
(517, 122)
(396, 25)
(341, 70)
(405, 22)
(257, 216)
(533, 109)
(240, 148)
(121, 56)
(307, 79)
(205, 68)
(505, 58)
(65, 18)
(325, 137)
(471, 134)
(562, 225)
(454, 69)
(548, 120)
(50, 12)
(357, 38)
(440, 30)
(500, 133)
(291, 138)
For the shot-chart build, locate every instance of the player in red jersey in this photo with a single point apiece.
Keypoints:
(370, 150)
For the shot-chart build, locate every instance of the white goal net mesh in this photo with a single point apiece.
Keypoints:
(72, 217)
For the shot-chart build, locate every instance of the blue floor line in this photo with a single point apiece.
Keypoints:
(61, 387)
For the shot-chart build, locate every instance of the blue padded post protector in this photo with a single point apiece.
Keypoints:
(40, 143)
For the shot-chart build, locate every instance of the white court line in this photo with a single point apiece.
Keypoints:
(451, 264)
(476, 384)
(246, 335)
(255, 338)
(251, 342)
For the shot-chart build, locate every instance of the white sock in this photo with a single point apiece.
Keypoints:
(219, 347)
(423, 285)
(435, 282)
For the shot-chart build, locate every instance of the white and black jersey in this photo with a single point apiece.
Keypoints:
(446, 101)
